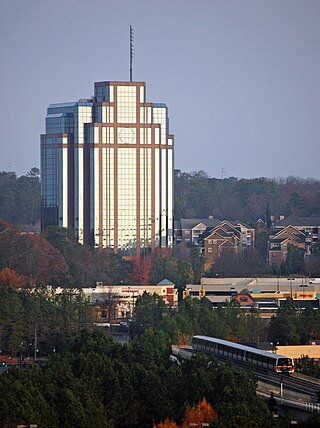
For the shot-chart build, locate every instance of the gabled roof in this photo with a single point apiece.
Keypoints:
(245, 291)
(224, 229)
(221, 233)
(201, 224)
(227, 224)
(289, 230)
(227, 227)
(291, 239)
(288, 238)
(165, 282)
(241, 223)
(213, 234)
(299, 221)
(190, 223)
(177, 224)
(227, 244)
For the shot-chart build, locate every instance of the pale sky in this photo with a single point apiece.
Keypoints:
(241, 78)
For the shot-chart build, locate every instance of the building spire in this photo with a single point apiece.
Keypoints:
(131, 51)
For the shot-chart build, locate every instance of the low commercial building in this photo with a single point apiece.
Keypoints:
(264, 294)
(116, 302)
(311, 350)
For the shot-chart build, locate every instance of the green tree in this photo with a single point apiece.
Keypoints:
(22, 402)
(197, 262)
(149, 311)
(175, 270)
(20, 197)
(308, 366)
(284, 327)
(294, 262)
(11, 321)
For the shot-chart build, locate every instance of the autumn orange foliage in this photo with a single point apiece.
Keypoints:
(29, 255)
(9, 278)
(201, 413)
(141, 270)
(166, 424)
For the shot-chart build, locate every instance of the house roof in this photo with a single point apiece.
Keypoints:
(177, 224)
(224, 229)
(190, 223)
(288, 237)
(245, 291)
(165, 282)
(290, 231)
(298, 221)
(241, 223)
(227, 244)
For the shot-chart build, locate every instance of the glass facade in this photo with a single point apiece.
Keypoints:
(107, 169)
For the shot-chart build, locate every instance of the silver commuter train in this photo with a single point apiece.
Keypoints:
(243, 354)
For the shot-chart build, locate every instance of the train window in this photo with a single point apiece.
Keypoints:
(265, 361)
(252, 357)
(284, 362)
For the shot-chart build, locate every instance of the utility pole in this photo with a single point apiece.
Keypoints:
(35, 341)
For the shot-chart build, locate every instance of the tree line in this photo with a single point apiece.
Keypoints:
(20, 197)
(56, 258)
(197, 195)
(228, 321)
(37, 321)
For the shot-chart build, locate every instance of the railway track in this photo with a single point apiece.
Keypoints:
(294, 382)
(305, 385)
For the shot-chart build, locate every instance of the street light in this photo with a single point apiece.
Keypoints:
(232, 293)
(290, 279)
(303, 287)
(20, 352)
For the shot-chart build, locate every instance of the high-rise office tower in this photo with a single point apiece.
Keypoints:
(107, 169)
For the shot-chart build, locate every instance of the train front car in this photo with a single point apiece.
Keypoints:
(284, 365)
(241, 354)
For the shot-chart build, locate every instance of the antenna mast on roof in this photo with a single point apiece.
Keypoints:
(131, 51)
